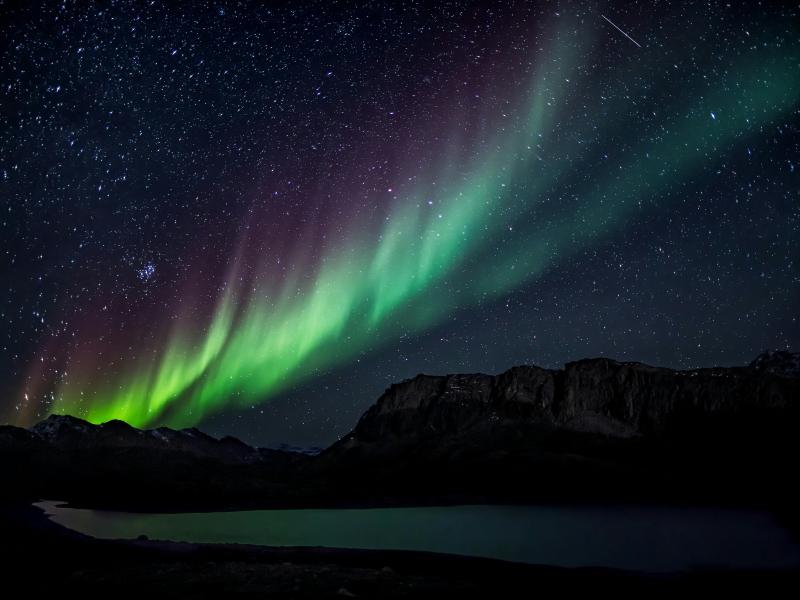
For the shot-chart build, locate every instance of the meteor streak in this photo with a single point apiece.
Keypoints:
(620, 30)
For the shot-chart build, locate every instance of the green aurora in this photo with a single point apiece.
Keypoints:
(402, 273)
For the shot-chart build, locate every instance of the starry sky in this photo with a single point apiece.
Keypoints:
(254, 217)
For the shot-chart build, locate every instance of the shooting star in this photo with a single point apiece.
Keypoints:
(620, 30)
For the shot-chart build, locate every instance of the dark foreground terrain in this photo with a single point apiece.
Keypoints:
(40, 557)
(596, 431)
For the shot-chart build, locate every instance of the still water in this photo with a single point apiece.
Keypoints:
(640, 538)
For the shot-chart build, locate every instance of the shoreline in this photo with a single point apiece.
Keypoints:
(98, 566)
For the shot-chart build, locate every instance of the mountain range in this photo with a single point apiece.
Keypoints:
(596, 430)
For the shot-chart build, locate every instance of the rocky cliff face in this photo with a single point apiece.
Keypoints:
(596, 430)
(597, 396)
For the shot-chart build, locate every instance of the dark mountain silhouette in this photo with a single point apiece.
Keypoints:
(779, 362)
(114, 464)
(597, 430)
(71, 433)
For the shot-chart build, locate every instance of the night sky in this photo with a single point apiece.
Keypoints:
(255, 218)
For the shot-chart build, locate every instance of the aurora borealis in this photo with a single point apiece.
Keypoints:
(215, 207)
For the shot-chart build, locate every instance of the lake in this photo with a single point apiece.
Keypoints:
(655, 539)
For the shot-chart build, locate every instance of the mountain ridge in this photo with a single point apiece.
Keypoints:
(596, 429)
(599, 395)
